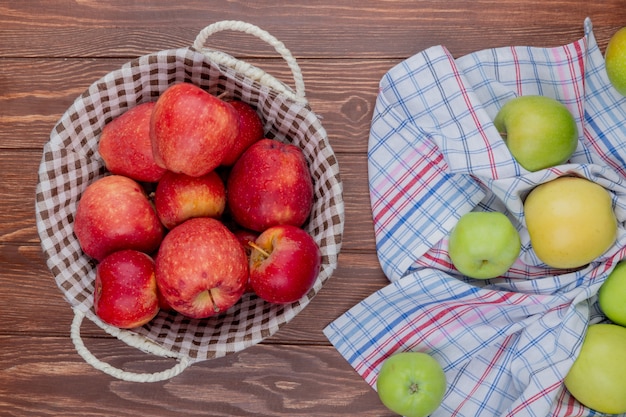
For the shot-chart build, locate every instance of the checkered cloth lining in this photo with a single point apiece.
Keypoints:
(505, 344)
(71, 161)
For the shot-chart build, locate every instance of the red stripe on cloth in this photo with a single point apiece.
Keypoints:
(572, 407)
(503, 348)
(408, 331)
(581, 70)
(432, 169)
(518, 74)
(479, 126)
(535, 397)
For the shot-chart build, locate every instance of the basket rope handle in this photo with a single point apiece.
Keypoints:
(248, 69)
(132, 340)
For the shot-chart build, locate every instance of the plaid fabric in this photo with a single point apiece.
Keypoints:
(505, 344)
(71, 161)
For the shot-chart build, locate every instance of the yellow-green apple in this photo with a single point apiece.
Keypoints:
(126, 148)
(612, 295)
(412, 384)
(539, 131)
(125, 293)
(570, 221)
(179, 197)
(483, 245)
(284, 264)
(191, 130)
(201, 268)
(597, 379)
(114, 213)
(250, 131)
(615, 60)
(270, 184)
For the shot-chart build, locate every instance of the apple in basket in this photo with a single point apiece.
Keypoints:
(284, 264)
(411, 384)
(126, 148)
(612, 295)
(125, 293)
(191, 130)
(246, 237)
(270, 184)
(570, 221)
(483, 245)
(598, 376)
(201, 268)
(539, 131)
(179, 197)
(250, 131)
(114, 213)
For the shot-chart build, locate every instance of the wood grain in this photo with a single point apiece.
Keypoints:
(342, 96)
(320, 28)
(282, 380)
(52, 51)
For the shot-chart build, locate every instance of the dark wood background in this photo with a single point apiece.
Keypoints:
(51, 51)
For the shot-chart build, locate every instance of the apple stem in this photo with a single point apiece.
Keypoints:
(257, 247)
(503, 134)
(215, 308)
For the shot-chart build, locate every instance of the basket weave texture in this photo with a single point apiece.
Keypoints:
(71, 162)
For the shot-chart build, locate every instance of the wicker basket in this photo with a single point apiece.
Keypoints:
(71, 161)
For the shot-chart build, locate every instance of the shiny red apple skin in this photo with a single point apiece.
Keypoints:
(126, 148)
(246, 237)
(179, 197)
(191, 130)
(270, 184)
(125, 292)
(250, 131)
(291, 268)
(201, 268)
(114, 213)
(163, 304)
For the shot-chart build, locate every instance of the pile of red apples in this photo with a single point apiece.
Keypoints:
(197, 209)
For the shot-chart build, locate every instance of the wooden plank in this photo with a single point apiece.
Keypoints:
(45, 376)
(19, 177)
(29, 297)
(342, 93)
(372, 29)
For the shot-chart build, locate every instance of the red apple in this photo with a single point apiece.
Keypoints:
(179, 197)
(125, 292)
(250, 131)
(114, 213)
(270, 184)
(191, 130)
(163, 304)
(126, 148)
(201, 268)
(284, 264)
(246, 237)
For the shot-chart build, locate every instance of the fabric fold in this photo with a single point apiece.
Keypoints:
(507, 343)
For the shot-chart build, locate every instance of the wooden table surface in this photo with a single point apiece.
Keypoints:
(51, 51)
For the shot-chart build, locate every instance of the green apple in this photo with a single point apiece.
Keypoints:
(597, 378)
(539, 131)
(615, 60)
(411, 383)
(612, 295)
(483, 245)
(570, 221)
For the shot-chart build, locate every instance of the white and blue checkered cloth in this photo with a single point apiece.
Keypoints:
(505, 344)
